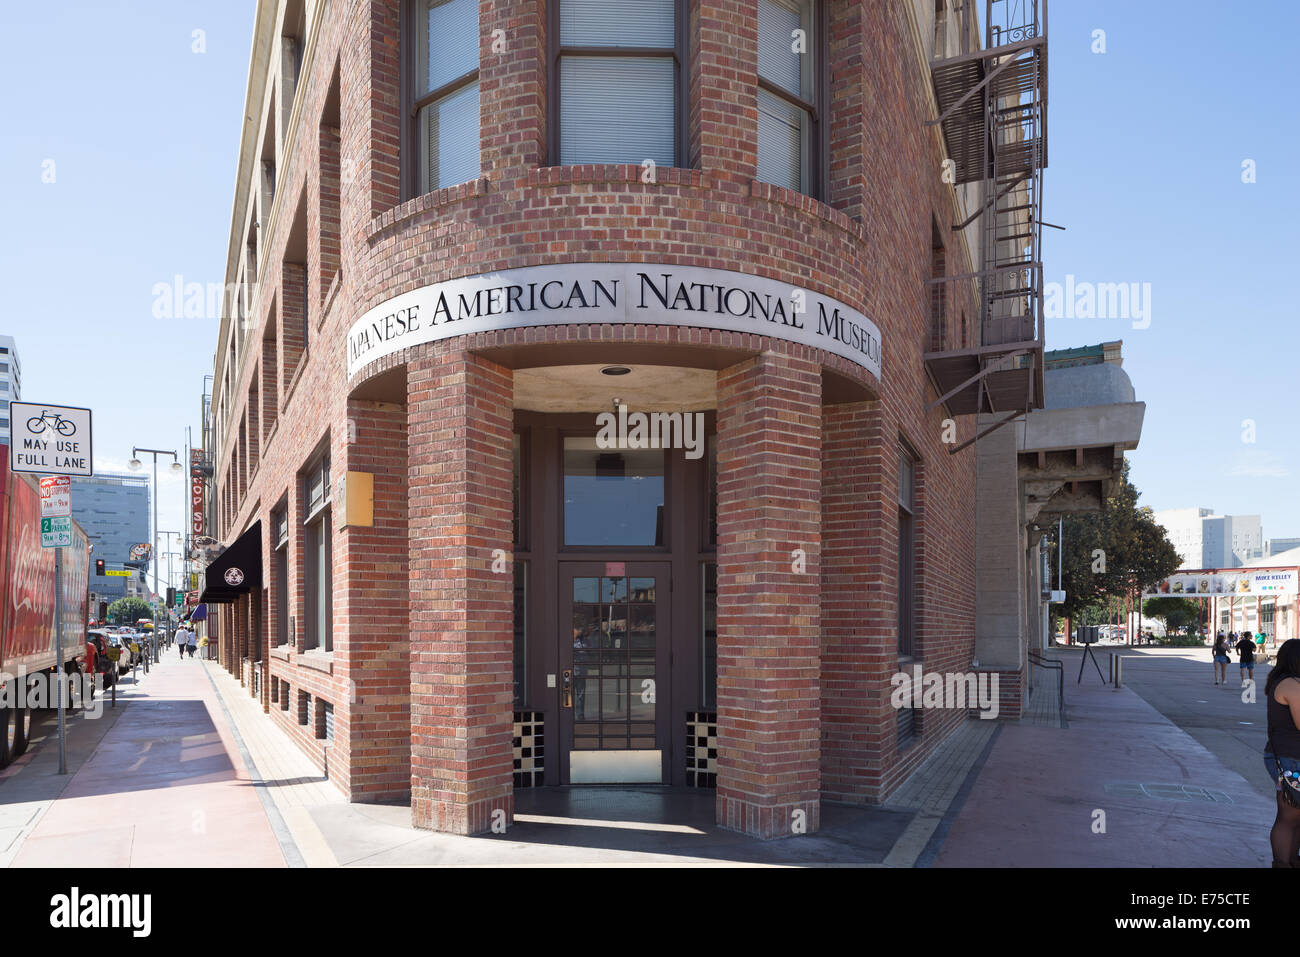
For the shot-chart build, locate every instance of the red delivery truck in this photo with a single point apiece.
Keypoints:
(27, 641)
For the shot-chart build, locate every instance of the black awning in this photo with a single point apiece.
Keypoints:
(237, 570)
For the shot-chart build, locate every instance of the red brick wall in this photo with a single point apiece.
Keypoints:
(869, 246)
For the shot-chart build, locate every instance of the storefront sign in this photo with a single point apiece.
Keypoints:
(1264, 582)
(640, 293)
(196, 492)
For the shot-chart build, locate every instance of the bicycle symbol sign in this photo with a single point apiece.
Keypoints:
(50, 439)
(53, 421)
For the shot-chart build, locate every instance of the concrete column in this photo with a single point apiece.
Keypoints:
(769, 593)
(460, 421)
(999, 553)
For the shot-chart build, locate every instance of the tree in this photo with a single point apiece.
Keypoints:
(1114, 553)
(129, 610)
(1176, 613)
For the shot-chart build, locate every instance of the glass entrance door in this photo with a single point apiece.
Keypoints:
(613, 639)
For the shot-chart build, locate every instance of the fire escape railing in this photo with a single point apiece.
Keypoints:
(993, 113)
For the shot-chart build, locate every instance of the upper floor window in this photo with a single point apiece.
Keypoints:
(789, 85)
(618, 82)
(445, 98)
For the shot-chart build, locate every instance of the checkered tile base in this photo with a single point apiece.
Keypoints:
(702, 749)
(530, 748)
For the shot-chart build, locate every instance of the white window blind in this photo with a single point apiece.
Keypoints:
(777, 60)
(618, 109)
(785, 60)
(448, 127)
(450, 42)
(449, 140)
(630, 23)
(782, 144)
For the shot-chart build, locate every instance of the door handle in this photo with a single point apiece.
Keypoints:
(568, 689)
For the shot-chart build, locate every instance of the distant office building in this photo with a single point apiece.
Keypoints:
(11, 383)
(1207, 540)
(114, 511)
(1276, 546)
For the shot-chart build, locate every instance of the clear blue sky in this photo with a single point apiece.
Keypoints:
(1147, 142)
(143, 134)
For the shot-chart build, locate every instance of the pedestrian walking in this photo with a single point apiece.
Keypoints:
(1221, 659)
(191, 641)
(1260, 640)
(1282, 752)
(1246, 655)
(182, 640)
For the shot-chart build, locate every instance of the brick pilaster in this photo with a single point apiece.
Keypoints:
(858, 612)
(769, 491)
(373, 725)
(460, 420)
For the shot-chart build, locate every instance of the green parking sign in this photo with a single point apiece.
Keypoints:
(56, 532)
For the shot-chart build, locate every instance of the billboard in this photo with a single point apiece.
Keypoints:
(1263, 583)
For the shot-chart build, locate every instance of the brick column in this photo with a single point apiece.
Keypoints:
(858, 612)
(724, 88)
(769, 505)
(460, 420)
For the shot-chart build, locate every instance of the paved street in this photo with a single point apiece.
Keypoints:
(1179, 683)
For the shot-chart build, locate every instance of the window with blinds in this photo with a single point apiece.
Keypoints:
(906, 552)
(787, 95)
(446, 92)
(319, 565)
(618, 72)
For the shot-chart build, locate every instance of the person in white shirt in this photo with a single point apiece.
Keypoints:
(182, 639)
(192, 638)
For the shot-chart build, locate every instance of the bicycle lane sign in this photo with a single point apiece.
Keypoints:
(50, 439)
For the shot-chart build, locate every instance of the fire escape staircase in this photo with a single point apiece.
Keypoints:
(992, 105)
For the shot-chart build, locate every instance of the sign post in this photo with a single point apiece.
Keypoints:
(55, 441)
(56, 506)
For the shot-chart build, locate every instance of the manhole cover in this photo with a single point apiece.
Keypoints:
(1168, 792)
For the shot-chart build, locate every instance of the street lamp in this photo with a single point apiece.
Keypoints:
(135, 465)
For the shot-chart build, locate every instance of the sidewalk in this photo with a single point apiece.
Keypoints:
(1166, 800)
(188, 771)
(162, 786)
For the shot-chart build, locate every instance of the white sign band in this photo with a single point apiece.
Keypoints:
(639, 293)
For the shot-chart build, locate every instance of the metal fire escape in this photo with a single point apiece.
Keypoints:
(993, 114)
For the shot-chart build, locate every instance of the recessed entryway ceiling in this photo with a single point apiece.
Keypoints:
(584, 388)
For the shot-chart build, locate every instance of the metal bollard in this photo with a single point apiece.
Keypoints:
(1116, 671)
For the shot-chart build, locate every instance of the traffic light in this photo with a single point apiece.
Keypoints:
(99, 566)
(171, 596)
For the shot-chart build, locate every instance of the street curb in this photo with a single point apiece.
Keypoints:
(932, 847)
(292, 856)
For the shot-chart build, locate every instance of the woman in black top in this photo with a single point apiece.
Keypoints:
(1282, 753)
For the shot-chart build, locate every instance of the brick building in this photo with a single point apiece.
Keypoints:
(464, 232)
